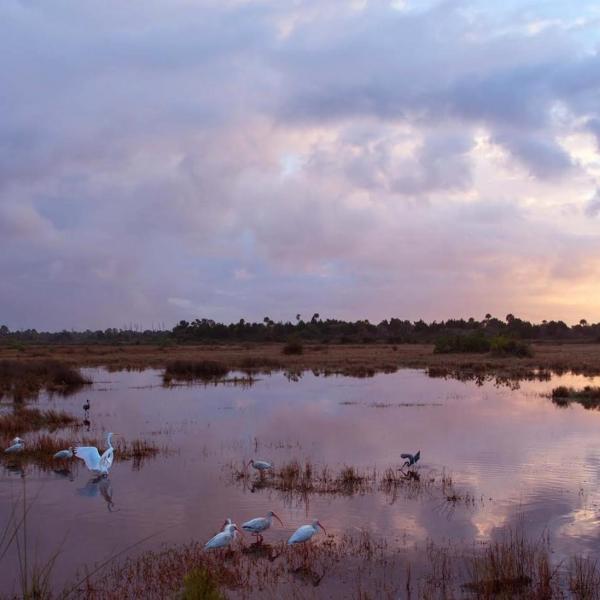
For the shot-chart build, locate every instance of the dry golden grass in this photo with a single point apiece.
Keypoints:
(357, 360)
(21, 379)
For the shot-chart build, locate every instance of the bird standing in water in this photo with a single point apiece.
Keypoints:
(17, 445)
(93, 461)
(305, 533)
(260, 524)
(262, 466)
(63, 454)
(223, 538)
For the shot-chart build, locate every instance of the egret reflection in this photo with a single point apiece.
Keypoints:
(99, 485)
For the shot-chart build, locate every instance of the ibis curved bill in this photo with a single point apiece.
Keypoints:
(260, 465)
(305, 533)
(260, 524)
(223, 538)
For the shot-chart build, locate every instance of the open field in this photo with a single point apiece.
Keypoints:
(359, 360)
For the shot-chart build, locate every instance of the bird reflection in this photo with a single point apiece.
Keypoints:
(87, 424)
(64, 473)
(102, 485)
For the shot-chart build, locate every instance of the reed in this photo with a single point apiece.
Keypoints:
(24, 419)
(22, 379)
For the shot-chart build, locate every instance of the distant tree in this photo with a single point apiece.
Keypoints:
(510, 318)
(488, 316)
(583, 322)
(315, 318)
(298, 317)
(4, 330)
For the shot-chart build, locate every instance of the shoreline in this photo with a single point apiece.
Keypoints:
(354, 360)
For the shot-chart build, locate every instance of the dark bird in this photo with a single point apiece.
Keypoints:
(410, 459)
(86, 406)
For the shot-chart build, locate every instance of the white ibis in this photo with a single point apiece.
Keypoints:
(92, 459)
(260, 524)
(262, 466)
(305, 533)
(17, 445)
(223, 538)
(64, 454)
(410, 459)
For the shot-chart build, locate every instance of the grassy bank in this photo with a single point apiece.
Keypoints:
(358, 360)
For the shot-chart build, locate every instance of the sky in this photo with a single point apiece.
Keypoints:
(165, 160)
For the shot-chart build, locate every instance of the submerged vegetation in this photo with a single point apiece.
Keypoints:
(41, 449)
(189, 370)
(588, 396)
(20, 379)
(24, 419)
(297, 482)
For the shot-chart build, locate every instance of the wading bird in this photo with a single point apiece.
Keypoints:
(86, 406)
(17, 445)
(92, 459)
(61, 454)
(305, 533)
(260, 465)
(260, 524)
(410, 459)
(222, 539)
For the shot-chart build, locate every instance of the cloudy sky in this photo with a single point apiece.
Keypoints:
(169, 159)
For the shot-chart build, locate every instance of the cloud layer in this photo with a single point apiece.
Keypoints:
(238, 159)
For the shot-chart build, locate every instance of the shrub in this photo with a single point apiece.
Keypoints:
(199, 584)
(471, 342)
(502, 345)
(293, 347)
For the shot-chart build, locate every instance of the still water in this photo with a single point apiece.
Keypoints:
(519, 457)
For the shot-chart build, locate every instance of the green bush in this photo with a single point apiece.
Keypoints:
(293, 347)
(471, 342)
(199, 584)
(502, 345)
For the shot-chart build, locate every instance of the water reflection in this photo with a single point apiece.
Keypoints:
(99, 485)
(504, 447)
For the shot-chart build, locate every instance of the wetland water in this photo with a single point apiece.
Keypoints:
(517, 456)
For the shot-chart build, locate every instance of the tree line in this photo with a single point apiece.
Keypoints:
(315, 329)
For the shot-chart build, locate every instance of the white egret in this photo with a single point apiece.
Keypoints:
(305, 533)
(260, 465)
(17, 445)
(64, 454)
(260, 524)
(93, 461)
(223, 538)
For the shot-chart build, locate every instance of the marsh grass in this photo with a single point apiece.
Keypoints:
(40, 451)
(23, 379)
(297, 482)
(588, 396)
(513, 567)
(191, 370)
(24, 419)
(357, 565)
